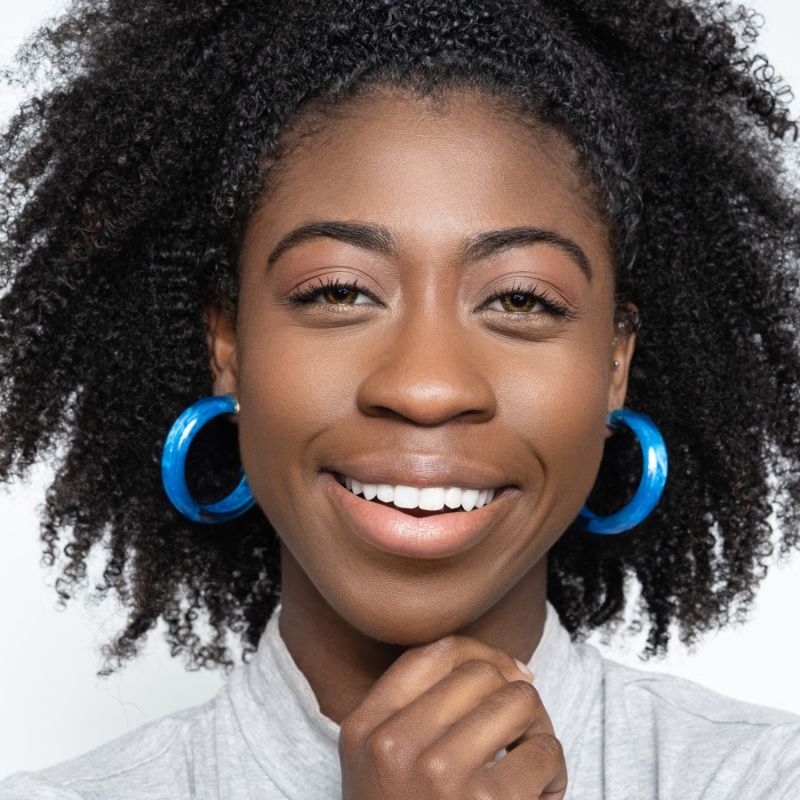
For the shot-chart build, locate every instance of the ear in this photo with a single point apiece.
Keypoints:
(626, 324)
(221, 341)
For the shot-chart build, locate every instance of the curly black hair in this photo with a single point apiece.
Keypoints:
(125, 188)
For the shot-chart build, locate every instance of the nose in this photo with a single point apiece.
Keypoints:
(428, 373)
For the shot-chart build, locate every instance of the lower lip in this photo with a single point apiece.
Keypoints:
(434, 536)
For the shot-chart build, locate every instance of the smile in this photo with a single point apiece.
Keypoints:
(415, 532)
(429, 498)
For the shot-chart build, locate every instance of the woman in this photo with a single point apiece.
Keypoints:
(434, 276)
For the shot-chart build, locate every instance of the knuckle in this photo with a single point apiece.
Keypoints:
(550, 747)
(482, 671)
(353, 730)
(480, 791)
(437, 767)
(384, 747)
(521, 693)
(450, 645)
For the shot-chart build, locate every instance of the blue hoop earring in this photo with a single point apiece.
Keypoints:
(173, 464)
(651, 486)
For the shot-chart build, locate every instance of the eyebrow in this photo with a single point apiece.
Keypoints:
(378, 239)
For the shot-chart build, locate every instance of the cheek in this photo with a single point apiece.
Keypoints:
(559, 411)
(291, 390)
(296, 384)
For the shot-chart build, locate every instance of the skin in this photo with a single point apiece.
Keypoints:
(424, 368)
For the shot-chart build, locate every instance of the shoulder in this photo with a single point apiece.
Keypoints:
(673, 696)
(694, 738)
(155, 761)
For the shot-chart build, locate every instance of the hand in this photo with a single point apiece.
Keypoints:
(430, 727)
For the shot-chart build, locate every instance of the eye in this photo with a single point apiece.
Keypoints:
(332, 291)
(519, 300)
(527, 300)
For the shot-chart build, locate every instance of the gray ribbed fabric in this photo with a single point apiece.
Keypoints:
(627, 735)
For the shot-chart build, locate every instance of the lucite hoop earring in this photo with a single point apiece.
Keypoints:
(173, 464)
(651, 486)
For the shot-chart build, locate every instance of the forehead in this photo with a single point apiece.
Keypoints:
(432, 169)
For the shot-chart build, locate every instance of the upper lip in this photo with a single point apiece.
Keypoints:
(419, 470)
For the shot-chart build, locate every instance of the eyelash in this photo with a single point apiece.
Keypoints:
(553, 307)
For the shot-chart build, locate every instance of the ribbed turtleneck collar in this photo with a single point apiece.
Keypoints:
(297, 745)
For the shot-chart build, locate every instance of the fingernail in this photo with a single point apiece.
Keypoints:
(524, 669)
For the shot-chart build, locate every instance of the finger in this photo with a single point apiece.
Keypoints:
(438, 708)
(536, 770)
(419, 668)
(513, 712)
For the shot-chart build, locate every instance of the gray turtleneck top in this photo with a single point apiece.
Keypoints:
(627, 735)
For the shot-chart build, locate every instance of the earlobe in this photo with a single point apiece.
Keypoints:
(221, 342)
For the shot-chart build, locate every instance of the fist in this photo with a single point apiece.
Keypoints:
(431, 726)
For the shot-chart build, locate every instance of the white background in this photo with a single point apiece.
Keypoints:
(52, 707)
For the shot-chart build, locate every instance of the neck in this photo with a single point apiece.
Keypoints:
(341, 663)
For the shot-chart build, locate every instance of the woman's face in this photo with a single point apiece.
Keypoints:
(418, 377)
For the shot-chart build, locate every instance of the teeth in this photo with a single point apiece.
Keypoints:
(431, 498)
(469, 497)
(452, 497)
(406, 497)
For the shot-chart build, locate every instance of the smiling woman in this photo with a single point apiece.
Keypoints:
(411, 273)
(453, 370)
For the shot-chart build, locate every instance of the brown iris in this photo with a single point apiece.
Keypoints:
(518, 301)
(339, 295)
